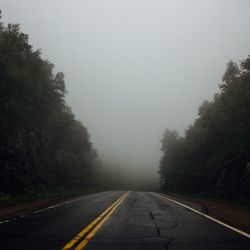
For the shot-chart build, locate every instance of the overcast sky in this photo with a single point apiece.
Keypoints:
(135, 67)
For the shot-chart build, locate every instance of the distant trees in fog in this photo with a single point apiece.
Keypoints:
(41, 143)
(213, 157)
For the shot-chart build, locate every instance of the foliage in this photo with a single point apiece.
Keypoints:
(42, 144)
(213, 158)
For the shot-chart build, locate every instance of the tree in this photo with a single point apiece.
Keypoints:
(213, 155)
(42, 144)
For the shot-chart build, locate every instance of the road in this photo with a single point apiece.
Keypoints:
(119, 220)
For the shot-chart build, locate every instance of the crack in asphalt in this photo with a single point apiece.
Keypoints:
(165, 243)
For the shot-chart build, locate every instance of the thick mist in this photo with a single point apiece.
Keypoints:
(134, 68)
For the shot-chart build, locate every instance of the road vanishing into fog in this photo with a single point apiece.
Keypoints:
(119, 220)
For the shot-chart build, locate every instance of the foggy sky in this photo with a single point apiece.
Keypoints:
(135, 67)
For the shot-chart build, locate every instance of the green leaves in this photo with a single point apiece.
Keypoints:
(41, 143)
(212, 157)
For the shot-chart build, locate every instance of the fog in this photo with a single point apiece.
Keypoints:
(135, 67)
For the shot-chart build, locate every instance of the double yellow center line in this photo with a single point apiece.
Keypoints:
(82, 239)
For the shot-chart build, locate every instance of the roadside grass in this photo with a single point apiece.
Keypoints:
(12, 199)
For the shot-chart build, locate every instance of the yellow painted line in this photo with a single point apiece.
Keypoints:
(99, 225)
(209, 217)
(71, 243)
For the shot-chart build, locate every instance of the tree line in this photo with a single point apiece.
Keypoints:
(213, 156)
(41, 143)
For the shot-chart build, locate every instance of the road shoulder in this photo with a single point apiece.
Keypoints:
(233, 216)
(25, 208)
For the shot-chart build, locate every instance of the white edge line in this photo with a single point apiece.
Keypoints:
(41, 210)
(208, 217)
(47, 208)
(4, 221)
(63, 203)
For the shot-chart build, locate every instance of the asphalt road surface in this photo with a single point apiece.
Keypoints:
(119, 220)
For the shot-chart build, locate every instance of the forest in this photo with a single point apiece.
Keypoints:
(42, 144)
(213, 157)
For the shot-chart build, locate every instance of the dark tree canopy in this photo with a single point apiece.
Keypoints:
(42, 144)
(213, 157)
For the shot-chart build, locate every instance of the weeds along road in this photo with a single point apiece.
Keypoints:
(119, 220)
